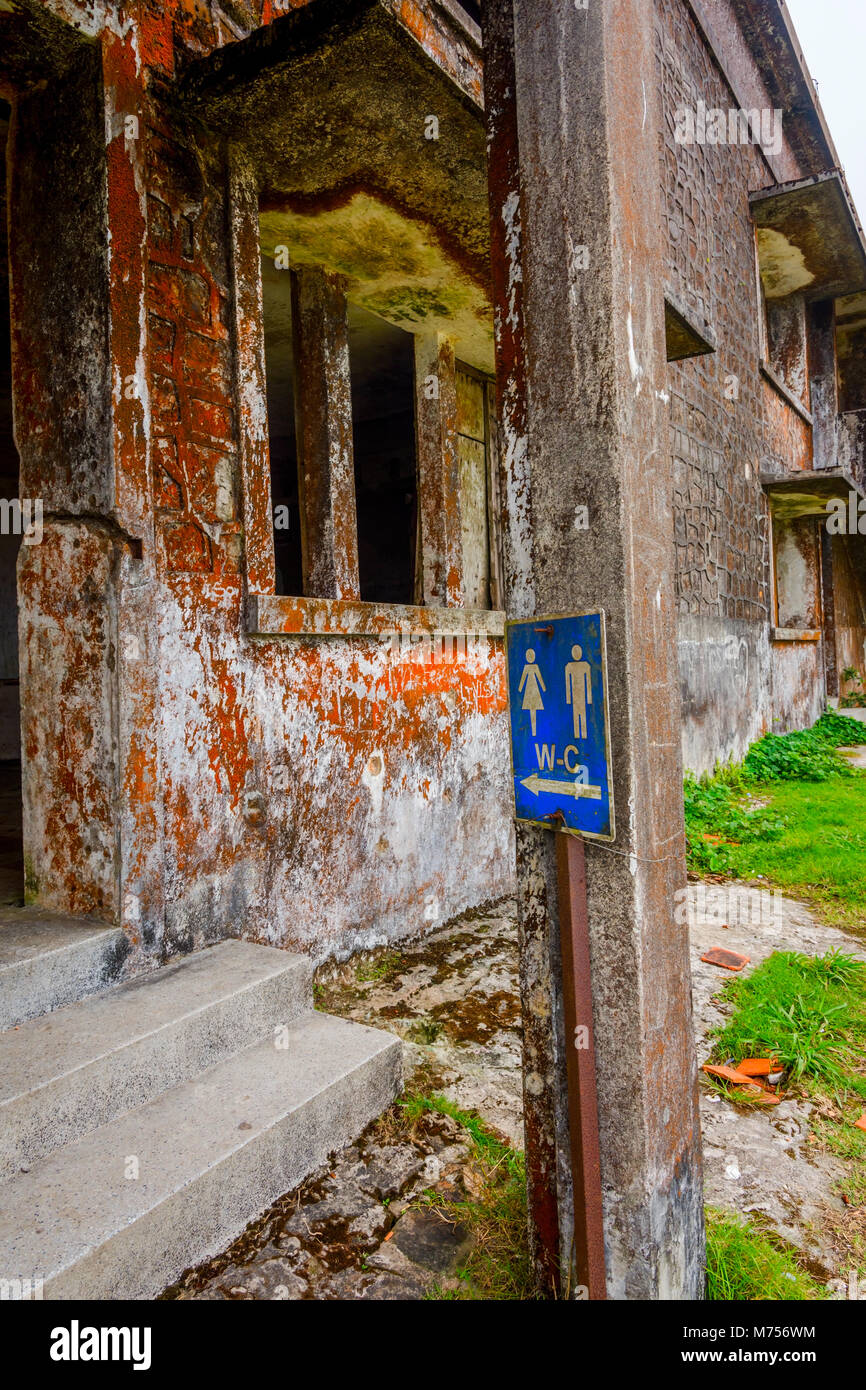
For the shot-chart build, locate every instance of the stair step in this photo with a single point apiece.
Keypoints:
(212, 1154)
(47, 960)
(73, 1070)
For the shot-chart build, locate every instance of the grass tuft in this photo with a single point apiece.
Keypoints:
(807, 1011)
(744, 1265)
(793, 814)
(498, 1266)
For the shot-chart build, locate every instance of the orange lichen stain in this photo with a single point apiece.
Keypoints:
(418, 24)
(140, 783)
(228, 747)
(156, 41)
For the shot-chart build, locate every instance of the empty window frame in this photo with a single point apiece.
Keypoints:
(797, 570)
(280, 379)
(473, 445)
(382, 365)
(382, 371)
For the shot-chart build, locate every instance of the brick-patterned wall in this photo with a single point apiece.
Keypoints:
(728, 423)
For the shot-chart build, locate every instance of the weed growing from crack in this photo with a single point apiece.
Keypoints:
(743, 1263)
(381, 968)
(498, 1266)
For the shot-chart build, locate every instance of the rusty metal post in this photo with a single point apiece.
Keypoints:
(588, 1242)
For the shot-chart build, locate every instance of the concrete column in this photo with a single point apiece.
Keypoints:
(571, 97)
(323, 415)
(828, 605)
(250, 378)
(438, 472)
(823, 384)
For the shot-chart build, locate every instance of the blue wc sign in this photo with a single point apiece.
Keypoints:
(560, 730)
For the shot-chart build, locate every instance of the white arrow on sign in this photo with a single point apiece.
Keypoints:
(538, 784)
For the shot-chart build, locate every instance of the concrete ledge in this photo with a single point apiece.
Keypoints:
(47, 960)
(796, 634)
(273, 615)
(686, 334)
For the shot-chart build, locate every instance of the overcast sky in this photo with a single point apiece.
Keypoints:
(833, 37)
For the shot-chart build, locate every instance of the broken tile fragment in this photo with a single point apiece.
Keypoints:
(757, 1066)
(736, 1078)
(731, 960)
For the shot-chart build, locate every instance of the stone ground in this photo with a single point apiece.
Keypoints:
(375, 1223)
(761, 1161)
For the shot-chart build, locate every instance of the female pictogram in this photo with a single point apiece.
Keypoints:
(531, 678)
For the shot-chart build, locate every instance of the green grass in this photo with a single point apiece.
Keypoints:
(744, 1264)
(379, 968)
(835, 1130)
(807, 1011)
(792, 813)
(820, 852)
(498, 1266)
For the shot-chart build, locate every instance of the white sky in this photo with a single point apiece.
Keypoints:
(833, 38)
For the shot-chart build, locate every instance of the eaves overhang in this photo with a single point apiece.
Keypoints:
(337, 98)
(809, 239)
(806, 492)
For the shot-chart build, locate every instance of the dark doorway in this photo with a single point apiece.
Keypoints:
(11, 828)
(382, 360)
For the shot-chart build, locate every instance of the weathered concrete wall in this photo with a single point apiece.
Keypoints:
(68, 652)
(799, 695)
(725, 679)
(319, 792)
(730, 422)
(186, 779)
(148, 439)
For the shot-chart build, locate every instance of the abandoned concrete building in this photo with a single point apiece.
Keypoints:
(278, 346)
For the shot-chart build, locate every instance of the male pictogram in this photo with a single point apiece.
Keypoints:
(531, 678)
(578, 690)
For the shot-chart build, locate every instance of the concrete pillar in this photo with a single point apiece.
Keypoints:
(578, 271)
(828, 605)
(251, 386)
(438, 472)
(823, 384)
(323, 415)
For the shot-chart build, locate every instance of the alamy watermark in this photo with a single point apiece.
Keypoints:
(727, 905)
(703, 125)
(847, 518)
(21, 517)
(20, 1290)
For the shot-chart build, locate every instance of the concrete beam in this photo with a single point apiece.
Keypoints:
(323, 414)
(578, 271)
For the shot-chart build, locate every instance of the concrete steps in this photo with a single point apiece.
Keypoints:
(73, 1070)
(143, 1127)
(47, 960)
